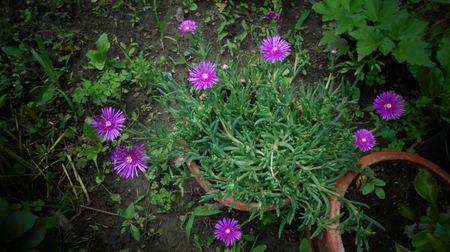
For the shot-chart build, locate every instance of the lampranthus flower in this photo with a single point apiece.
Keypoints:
(275, 49)
(109, 124)
(365, 140)
(188, 26)
(272, 15)
(128, 162)
(389, 105)
(203, 76)
(228, 231)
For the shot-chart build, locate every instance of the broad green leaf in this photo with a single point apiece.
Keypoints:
(413, 51)
(443, 55)
(333, 41)
(406, 212)
(441, 231)
(89, 131)
(400, 248)
(97, 58)
(386, 46)
(130, 212)
(438, 244)
(420, 241)
(426, 186)
(378, 10)
(368, 40)
(367, 188)
(347, 23)
(135, 232)
(12, 51)
(328, 9)
(203, 211)
(102, 43)
(259, 248)
(32, 237)
(16, 224)
(304, 246)
(380, 193)
(403, 25)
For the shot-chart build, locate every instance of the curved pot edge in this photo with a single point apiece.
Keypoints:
(333, 238)
(230, 202)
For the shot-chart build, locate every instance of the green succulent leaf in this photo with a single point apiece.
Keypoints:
(15, 224)
(426, 186)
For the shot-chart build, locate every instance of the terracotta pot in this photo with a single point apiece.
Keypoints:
(333, 238)
(230, 202)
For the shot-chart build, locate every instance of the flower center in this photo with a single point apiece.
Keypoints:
(129, 159)
(275, 49)
(187, 28)
(108, 123)
(227, 231)
(388, 105)
(363, 139)
(205, 76)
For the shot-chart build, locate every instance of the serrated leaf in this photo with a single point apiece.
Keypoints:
(379, 10)
(328, 9)
(443, 55)
(368, 40)
(413, 51)
(386, 46)
(347, 23)
(333, 41)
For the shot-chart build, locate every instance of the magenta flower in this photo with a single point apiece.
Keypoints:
(389, 105)
(129, 161)
(187, 26)
(110, 124)
(365, 140)
(275, 49)
(203, 76)
(228, 231)
(272, 15)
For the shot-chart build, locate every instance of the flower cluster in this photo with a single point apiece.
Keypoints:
(389, 106)
(127, 161)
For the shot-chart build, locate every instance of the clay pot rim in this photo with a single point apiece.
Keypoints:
(230, 202)
(333, 238)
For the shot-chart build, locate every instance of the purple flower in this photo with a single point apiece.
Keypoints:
(203, 76)
(228, 231)
(128, 161)
(272, 15)
(109, 125)
(187, 26)
(365, 140)
(389, 105)
(275, 49)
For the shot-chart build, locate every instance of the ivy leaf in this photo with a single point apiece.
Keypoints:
(368, 40)
(413, 51)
